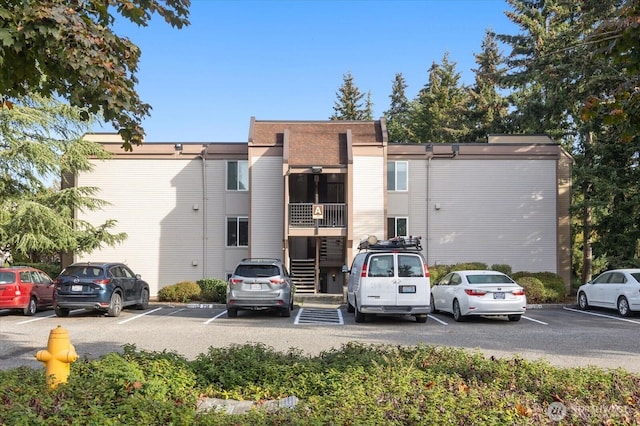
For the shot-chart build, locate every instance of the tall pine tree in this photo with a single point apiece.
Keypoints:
(350, 104)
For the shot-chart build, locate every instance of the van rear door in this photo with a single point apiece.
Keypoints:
(380, 288)
(412, 286)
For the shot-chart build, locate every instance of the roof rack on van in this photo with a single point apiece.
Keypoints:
(397, 243)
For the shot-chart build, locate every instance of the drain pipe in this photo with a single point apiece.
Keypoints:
(426, 250)
(204, 215)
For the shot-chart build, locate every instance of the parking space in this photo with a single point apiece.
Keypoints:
(563, 334)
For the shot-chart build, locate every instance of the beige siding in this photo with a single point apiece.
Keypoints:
(221, 204)
(159, 205)
(494, 211)
(412, 204)
(267, 212)
(368, 198)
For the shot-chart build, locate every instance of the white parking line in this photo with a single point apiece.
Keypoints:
(35, 319)
(139, 315)
(438, 320)
(175, 312)
(45, 317)
(534, 320)
(600, 315)
(216, 317)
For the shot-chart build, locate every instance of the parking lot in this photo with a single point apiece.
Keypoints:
(562, 335)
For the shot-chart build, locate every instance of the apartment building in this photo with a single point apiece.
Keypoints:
(307, 192)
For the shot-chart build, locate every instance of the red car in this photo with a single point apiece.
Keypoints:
(25, 288)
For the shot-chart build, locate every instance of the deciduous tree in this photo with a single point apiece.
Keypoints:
(68, 49)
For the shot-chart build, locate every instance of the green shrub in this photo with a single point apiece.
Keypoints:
(358, 384)
(534, 289)
(554, 288)
(213, 290)
(184, 291)
(505, 269)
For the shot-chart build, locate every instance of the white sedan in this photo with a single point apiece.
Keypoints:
(481, 292)
(616, 289)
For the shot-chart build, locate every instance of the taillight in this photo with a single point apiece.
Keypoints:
(426, 271)
(363, 274)
(101, 282)
(474, 292)
(277, 280)
(518, 292)
(235, 281)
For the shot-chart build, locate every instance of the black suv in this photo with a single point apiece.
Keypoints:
(260, 284)
(100, 286)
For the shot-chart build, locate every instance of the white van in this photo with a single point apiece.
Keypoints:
(389, 277)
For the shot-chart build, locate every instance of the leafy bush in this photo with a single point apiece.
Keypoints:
(213, 290)
(505, 269)
(534, 289)
(50, 269)
(354, 384)
(554, 288)
(184, 291)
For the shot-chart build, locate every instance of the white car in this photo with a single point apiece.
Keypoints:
(482, 293)
(616, 289)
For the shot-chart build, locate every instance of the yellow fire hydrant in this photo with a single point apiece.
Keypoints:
(58, 357)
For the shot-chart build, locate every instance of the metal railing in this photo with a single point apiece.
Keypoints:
(301, 215)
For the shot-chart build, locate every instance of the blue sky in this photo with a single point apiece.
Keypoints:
(285, 59)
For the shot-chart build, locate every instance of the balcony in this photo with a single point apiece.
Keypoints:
(301, 216)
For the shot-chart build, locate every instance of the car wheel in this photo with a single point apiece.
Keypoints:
(623, 307)
(457, 315)
(360, 317)
(115, 306)
(31, 308)
(144, 299)
(291, 305)
(285, 312)
(61, 312)
(433, 306)
(514, 317)
(582, 301)
(232, 312)
(350, 307)
(421, 318)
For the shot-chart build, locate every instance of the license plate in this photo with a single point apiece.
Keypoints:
(407, 289)
(256, 286)
(499, 295)
(76, 287)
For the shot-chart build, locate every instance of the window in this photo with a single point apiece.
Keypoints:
(237, 176)
(410, 266)
(381, 266)
(397, 175)
(237, 232)
(397, 226)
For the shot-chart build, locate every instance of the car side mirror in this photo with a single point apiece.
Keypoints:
(345, 269)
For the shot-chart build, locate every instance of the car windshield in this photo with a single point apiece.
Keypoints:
(489, 279)
(7, 277)
(255, 271)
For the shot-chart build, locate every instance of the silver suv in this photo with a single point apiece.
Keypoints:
(260, 284)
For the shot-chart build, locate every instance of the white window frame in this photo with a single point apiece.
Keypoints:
(396, 185)
(395, 226)
(242, 176)
(238, 220)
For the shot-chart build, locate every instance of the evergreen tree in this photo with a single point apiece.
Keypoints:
(349, 105)
(438, 115)
(552, 73)
(40, 141)
(488, 109)
(398, 115)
